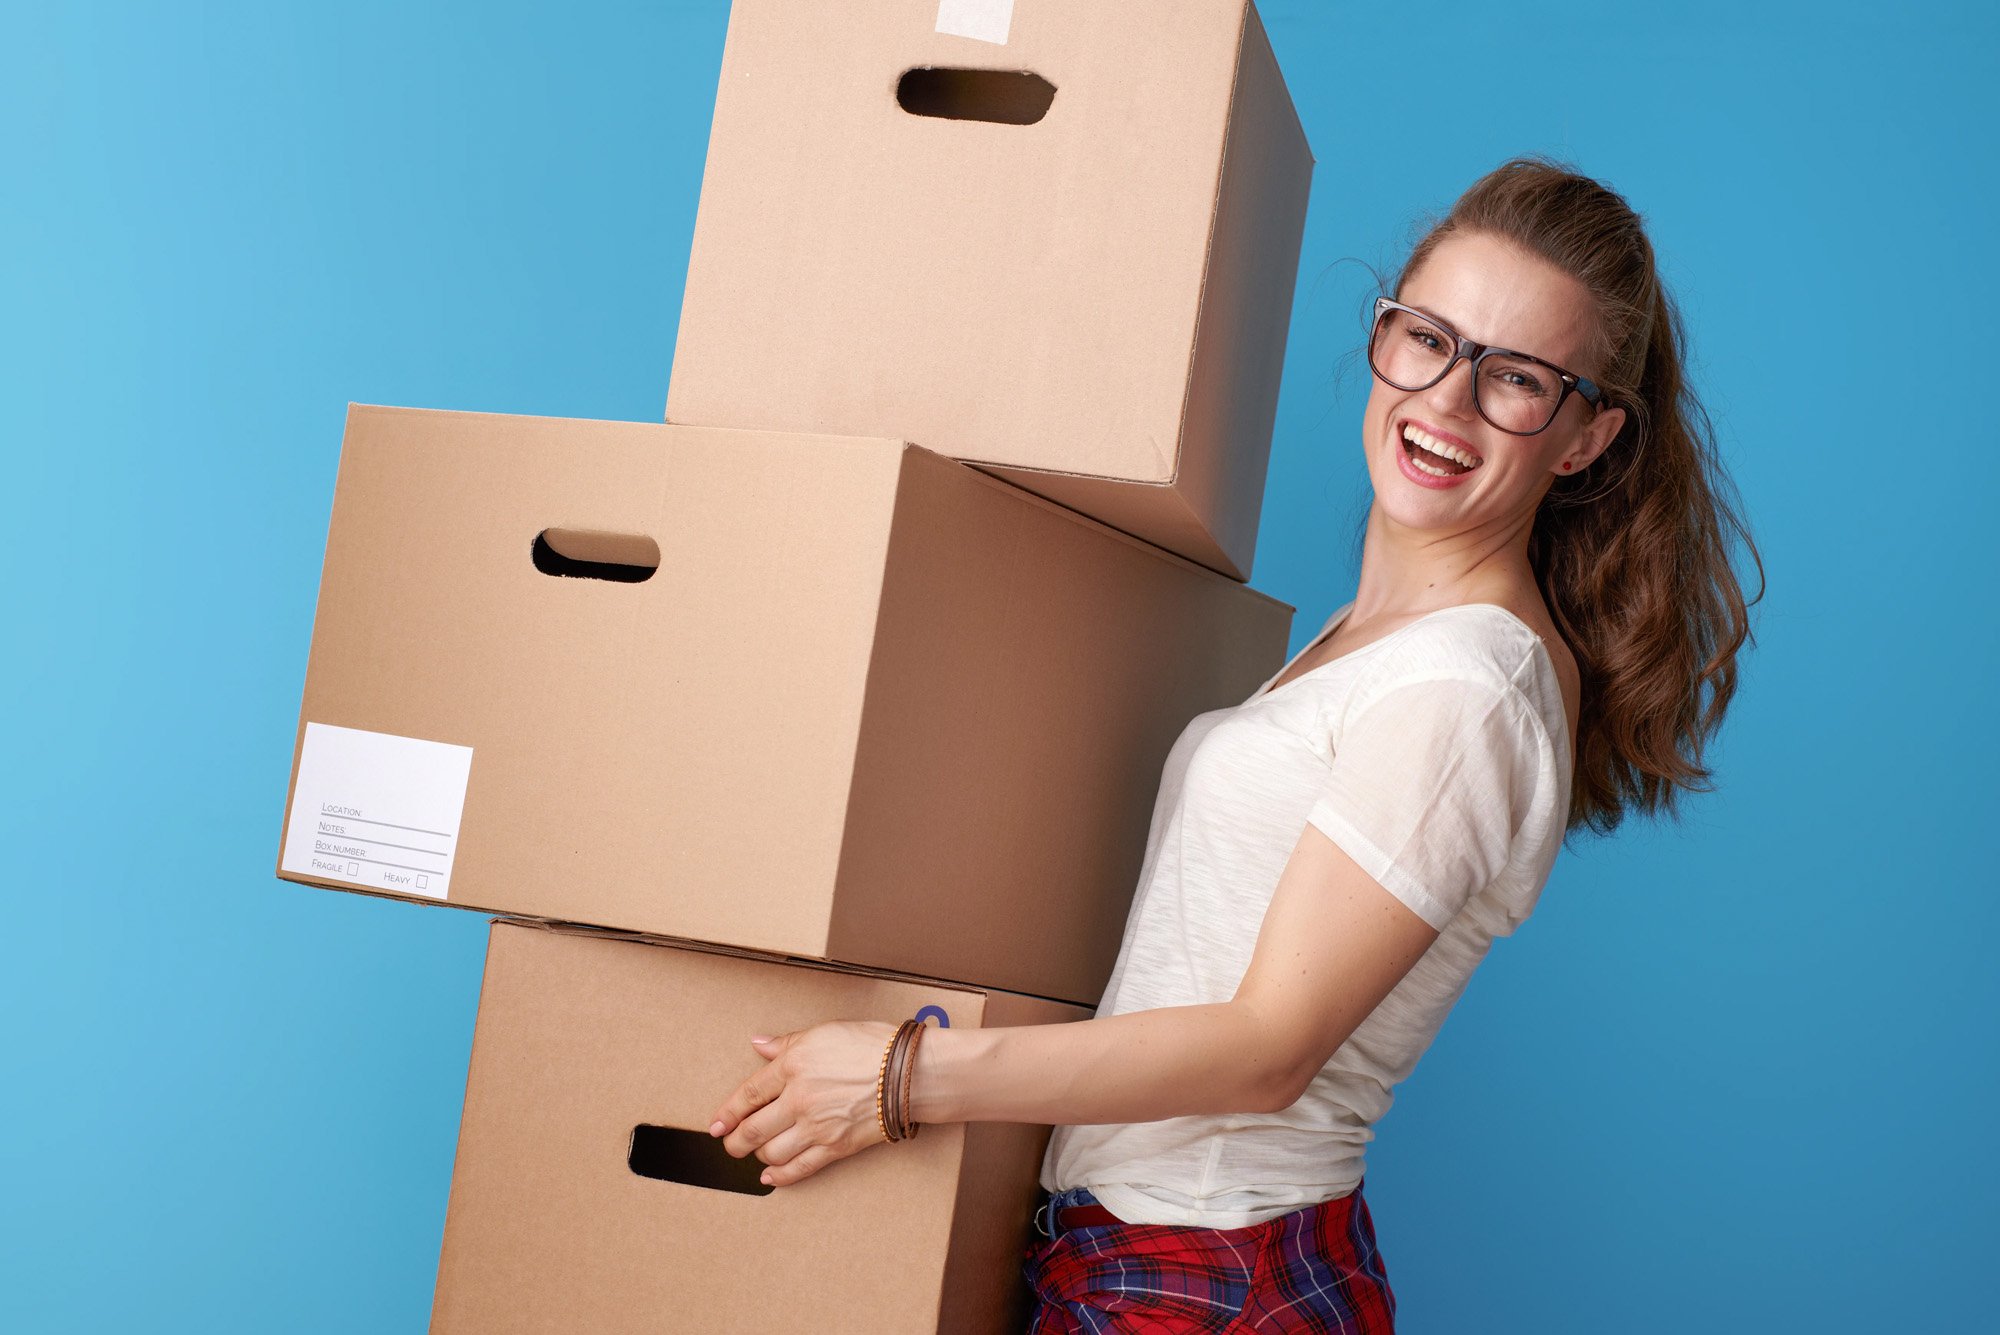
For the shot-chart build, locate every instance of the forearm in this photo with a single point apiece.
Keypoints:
(1171, 1062)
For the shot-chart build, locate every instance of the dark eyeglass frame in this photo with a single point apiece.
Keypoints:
(1467, 350)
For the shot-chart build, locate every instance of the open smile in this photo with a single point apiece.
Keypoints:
(1433, 458)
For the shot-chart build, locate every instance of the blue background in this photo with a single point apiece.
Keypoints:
(1734, 1072)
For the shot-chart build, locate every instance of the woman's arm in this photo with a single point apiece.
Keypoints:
(1332, 945)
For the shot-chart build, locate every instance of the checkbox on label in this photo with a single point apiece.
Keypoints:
(353, 869)
(423, 883)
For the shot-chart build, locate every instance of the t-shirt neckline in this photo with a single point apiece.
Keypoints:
(1339, 618)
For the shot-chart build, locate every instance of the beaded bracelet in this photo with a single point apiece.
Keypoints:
(881, 1115)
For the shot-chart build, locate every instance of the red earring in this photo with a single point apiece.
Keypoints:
(1565, 467)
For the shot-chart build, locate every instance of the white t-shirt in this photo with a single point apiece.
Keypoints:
(1438, 758)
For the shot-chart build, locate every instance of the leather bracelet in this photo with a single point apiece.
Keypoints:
(898, 1064)
(903, 1104)
(891, 1082)
(890, 1130)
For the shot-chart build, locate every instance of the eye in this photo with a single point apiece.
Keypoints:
(1518, 378)
(1429, 339)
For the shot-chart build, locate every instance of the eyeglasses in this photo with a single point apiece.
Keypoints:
(1514, 391)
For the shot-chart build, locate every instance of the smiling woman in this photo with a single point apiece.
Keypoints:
(1542, 638)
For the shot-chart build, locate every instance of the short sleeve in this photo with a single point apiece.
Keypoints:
(1431, 784)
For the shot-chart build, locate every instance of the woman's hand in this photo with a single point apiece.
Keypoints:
(812, 1103)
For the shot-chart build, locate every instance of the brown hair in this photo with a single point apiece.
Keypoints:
(1632, 554)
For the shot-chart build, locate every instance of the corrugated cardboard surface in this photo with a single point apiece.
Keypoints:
(874, 706)
(581, 1039)
(1029, 783)
(1103, 294)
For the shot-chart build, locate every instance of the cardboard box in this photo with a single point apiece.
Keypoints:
(867, 704)
(572, 1203)
(1093, 305)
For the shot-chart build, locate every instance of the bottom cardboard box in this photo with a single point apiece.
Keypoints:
(586, 1196)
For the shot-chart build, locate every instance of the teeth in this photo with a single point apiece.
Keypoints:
(1441, 449)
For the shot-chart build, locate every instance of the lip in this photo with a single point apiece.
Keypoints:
(1417, 475)
(1444, 436)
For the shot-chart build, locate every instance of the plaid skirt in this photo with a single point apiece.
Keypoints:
(1314, 1270)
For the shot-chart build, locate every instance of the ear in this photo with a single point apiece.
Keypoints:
(1598, 433)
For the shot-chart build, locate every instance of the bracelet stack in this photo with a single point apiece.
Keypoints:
(894, 1082)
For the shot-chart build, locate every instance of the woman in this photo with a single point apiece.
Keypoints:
(1543, 637)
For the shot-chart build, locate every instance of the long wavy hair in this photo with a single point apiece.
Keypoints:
(1634, 554)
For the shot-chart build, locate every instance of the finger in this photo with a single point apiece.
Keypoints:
(758, 1091)
(773, 1048)
(786, 1145)
(759, 1128)
(808, 1161)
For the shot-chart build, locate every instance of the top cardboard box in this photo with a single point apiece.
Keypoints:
(1092, 305)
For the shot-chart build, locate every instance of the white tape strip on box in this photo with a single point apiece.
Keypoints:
(981, 20)
(377, 810)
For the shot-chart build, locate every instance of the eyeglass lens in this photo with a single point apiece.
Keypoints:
(1511, 392)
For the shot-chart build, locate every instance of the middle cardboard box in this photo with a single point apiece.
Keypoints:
(821, 696)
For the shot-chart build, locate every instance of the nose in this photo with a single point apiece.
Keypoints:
(1453, 394)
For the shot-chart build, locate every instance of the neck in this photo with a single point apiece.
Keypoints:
(1408, 572)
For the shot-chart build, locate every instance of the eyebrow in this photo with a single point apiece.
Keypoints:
(1453, 326)
(1449, 324)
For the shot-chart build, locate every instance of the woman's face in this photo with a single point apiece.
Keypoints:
(1491, 292)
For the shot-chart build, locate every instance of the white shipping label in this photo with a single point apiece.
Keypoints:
(982, 20)
(377, 810)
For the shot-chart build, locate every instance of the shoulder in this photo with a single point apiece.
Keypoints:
(1470, 660)
(1481, 644)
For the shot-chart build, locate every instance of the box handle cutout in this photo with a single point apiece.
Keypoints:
(624, 558)
(1005, 97)
(694, 1159)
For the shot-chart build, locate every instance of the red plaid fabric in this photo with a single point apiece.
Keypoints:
(1313, 1271)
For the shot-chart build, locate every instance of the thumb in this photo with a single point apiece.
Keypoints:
(773, 1047)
